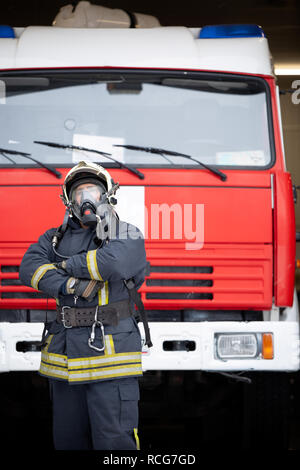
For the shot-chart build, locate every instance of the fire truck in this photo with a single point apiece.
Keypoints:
(187, 120)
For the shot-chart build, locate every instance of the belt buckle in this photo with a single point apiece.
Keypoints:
(63, 320)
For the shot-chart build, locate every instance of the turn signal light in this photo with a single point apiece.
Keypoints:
(298, 263)
(267, 346)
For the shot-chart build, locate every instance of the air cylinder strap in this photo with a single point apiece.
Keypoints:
(136, 298)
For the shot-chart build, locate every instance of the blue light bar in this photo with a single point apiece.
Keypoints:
(6, 31)
(231, 31)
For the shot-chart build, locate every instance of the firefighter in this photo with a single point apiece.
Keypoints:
(91, 353)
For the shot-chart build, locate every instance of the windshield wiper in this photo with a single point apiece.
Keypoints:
(84, 149)
(163, 153)
(28, 155)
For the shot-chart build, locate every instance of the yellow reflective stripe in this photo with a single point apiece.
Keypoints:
(105, 373)
(57, 359)
(109, 345)
(107, 350)
(106, 292)
(92, 362)
(39, 273)
(103, 294)
(135, 431)
(47, 344)
(138, 354)
(92, 266)
(62, 356)
(61, 372)
(52, 371)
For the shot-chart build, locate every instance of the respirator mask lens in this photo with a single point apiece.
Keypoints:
(85, 199)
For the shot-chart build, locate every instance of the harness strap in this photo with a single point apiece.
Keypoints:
(136, 298)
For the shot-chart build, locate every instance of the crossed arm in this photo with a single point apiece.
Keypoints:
(122, 258)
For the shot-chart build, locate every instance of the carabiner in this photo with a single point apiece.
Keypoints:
(92, 337)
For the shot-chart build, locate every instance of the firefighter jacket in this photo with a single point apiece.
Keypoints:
(66, 354)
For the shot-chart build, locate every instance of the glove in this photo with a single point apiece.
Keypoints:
(85, 288)
(61, 265)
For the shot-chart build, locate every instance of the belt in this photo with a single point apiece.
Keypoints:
(109, 314)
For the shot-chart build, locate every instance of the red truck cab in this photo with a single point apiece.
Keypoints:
(190, 123)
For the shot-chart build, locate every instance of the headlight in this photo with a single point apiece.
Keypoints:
(231, 346)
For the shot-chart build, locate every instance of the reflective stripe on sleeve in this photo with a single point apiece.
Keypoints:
(39, 273)
(92, 266)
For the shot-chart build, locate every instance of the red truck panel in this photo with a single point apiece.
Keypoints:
(284, 240)
(230, 215)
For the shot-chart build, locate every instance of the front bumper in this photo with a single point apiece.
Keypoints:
(201, 357)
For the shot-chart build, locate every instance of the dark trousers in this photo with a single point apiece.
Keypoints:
(99, 416)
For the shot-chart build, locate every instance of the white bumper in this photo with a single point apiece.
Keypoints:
(10, 335)
(203, 357)
(285, 340)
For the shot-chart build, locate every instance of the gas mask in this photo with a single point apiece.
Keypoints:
(85, 197)
(88, 194)
(90, 204)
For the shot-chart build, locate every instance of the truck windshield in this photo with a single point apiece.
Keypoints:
(221, 120)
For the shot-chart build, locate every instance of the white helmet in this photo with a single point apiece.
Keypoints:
(84, 170)
(90, 210)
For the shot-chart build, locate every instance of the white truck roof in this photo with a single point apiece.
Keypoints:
(161, 47)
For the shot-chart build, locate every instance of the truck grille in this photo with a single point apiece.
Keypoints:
(180, 282)
(12, 288)
(228, 276)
